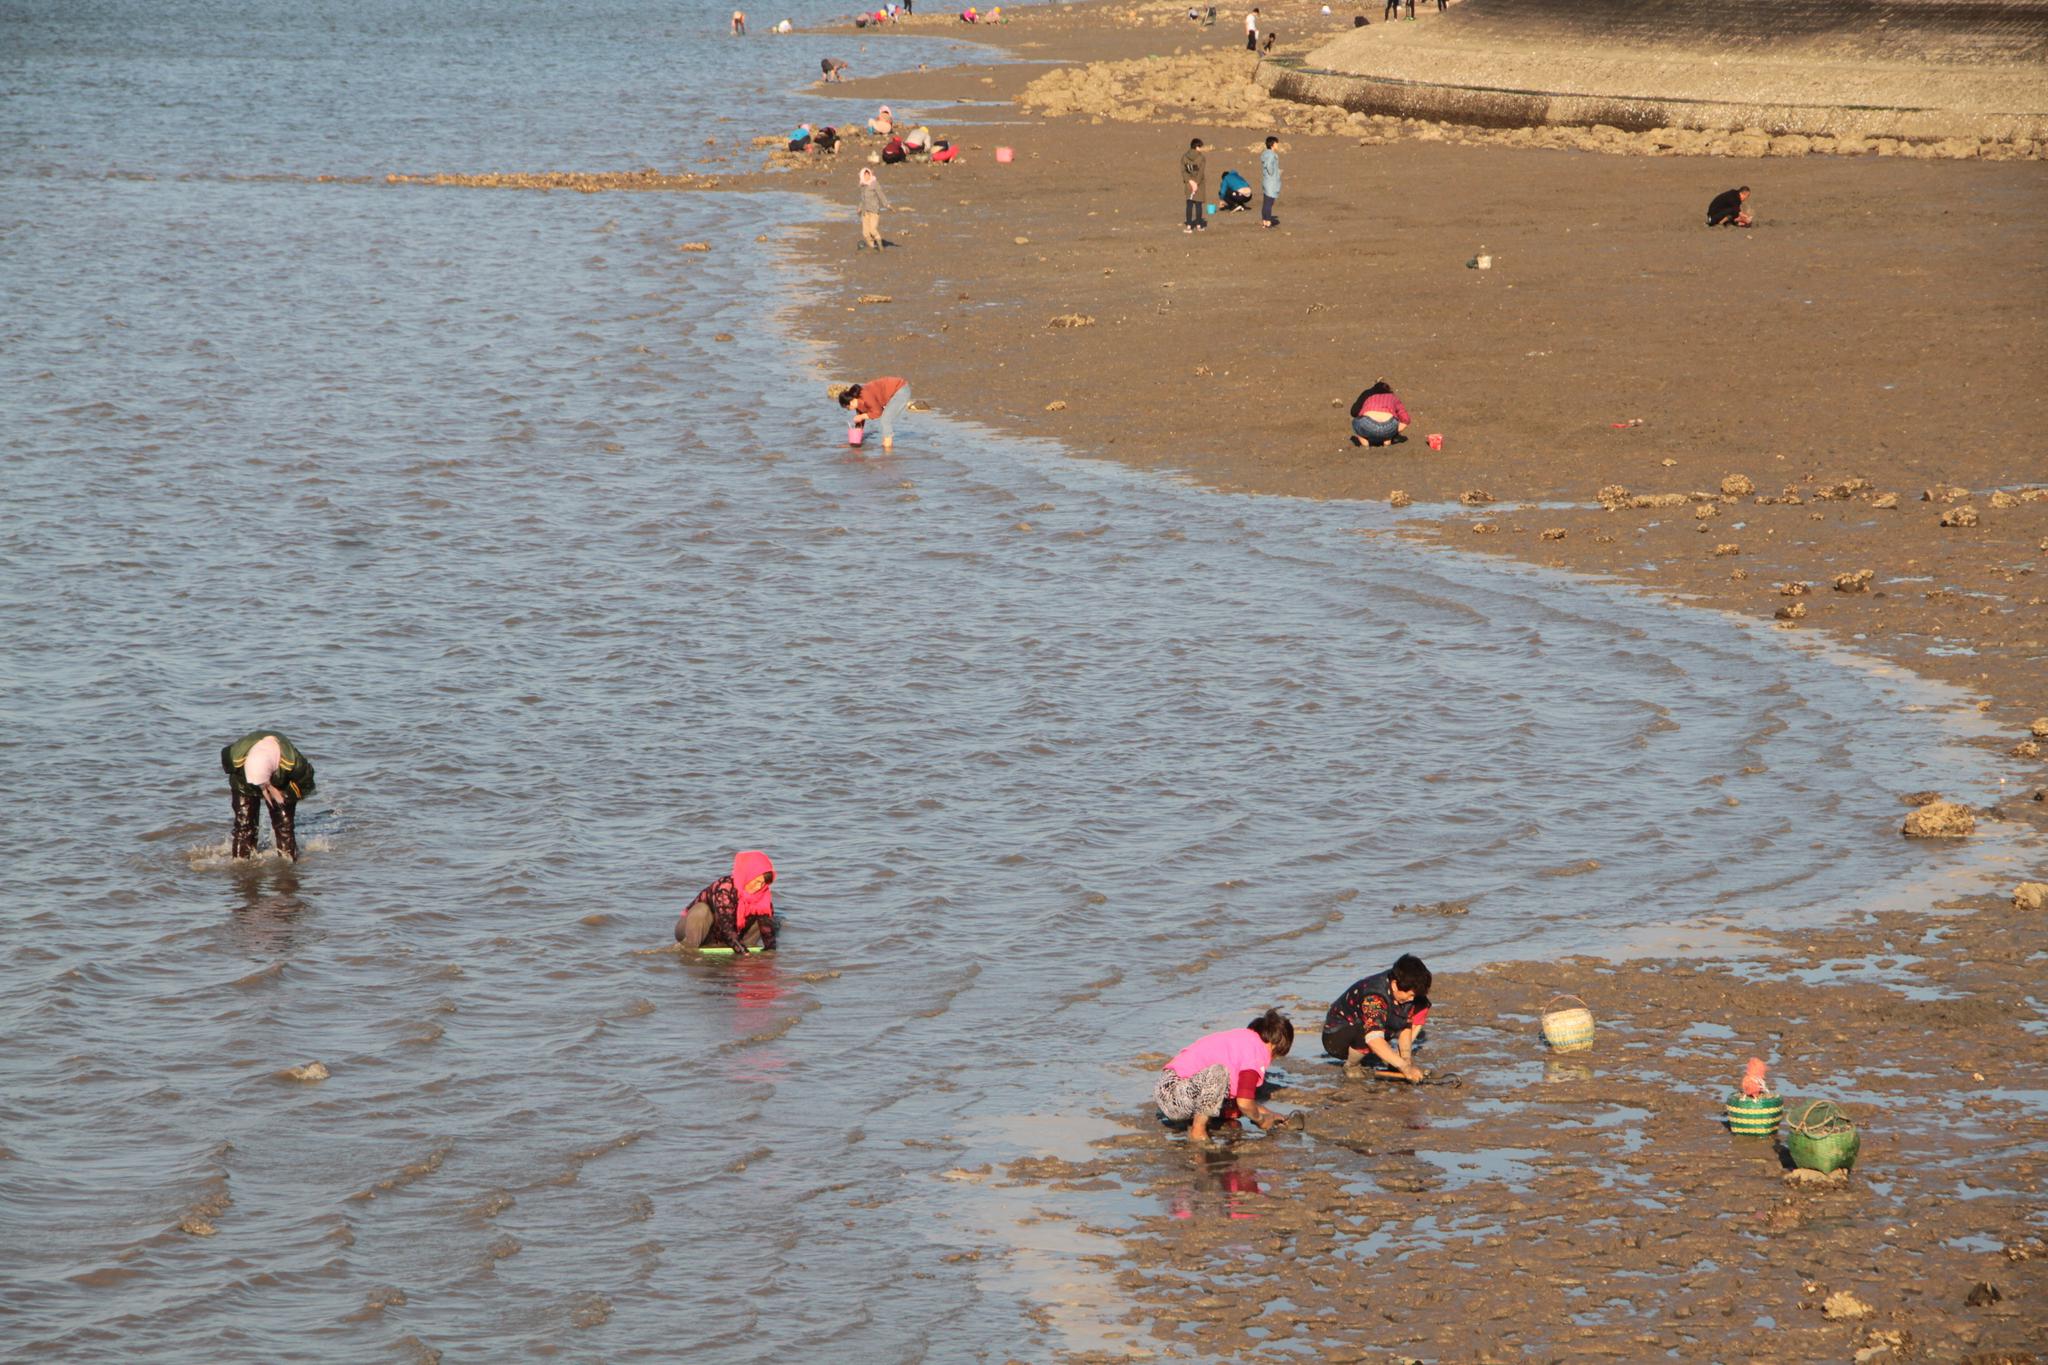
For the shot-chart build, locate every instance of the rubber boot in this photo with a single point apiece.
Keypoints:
(242, 842)
(281, 832)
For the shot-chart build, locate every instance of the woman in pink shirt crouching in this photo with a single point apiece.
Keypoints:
(1210, 1072)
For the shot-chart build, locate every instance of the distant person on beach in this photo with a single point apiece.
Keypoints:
(264, 768)
(894, 153)
(833, 67)
(1379, 1017)
(883, 123)
(918, 141)
(1233, 193)
(800, 140)
(1218, 1076)
(737, 911)
(1729, 209)
(1194, 174)
(1269, 182)
(909, 8)
(872, 202)
(1378, 417)
(739, 23)
(880, 401)
(826, 140)
(1251, 31)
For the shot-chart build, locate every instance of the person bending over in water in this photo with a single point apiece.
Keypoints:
(1730, 208)
(1222, 1072)
(1378, 417)
(737, 911)
(263, 766)
(879, 400)
(1379, 1017)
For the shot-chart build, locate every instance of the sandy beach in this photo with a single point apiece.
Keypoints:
(1829, 422)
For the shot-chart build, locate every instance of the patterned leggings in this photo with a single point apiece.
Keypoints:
(1182, 1097)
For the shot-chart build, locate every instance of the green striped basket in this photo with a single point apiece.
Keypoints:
(1755, 1117)
(1569, 1029)
(1822, 1138)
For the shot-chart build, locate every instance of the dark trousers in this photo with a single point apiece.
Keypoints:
(1194, 210)
(1266, 209)
(242, 842)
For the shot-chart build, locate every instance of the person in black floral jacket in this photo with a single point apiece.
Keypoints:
(737, 911)
(1379, 1017)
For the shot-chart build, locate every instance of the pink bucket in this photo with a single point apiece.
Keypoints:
(1436, 440)
(856, 433)
(1005, 155)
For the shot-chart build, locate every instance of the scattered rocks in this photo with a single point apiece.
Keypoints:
(1021, 241)
(1475, 497)
(2034, 495)
(196, 1226)
(1982, 1294)
(1648, 501)
(1737, 486)
(1854, 582)
(1613, 497)
(1705, 510)
(1848, 488)
(1056, 405)
(2026, 748)
(310, 1073)
(1842, 1306)
(1399, 498)
(2002, 499)
(1944, 492)
(693, 246)
(1069, 321)
(722, 336)
(1794, 589)
(874, 298)
(1940, 820)
(1442, 909)
(1795, 611)
(1802, 1176)
(919, 405)
(2030, 896)
(2039, 729)
(1554, 533)
(1965, 515)
(1885, 502)
(1921, 798)
(1484, 528)
(1728, 549)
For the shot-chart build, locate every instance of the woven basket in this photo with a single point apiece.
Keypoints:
(1822, 1138)
(1756, 1116)
(1569, 1029)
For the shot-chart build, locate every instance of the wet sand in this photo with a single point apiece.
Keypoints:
(1785, 423)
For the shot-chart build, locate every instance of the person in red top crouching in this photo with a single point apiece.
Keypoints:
(879, 400)
(737, 911)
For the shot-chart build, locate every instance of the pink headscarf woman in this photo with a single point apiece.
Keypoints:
(737, 911)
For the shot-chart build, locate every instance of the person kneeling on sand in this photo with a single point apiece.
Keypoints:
(737, 911)
(1379, 1017)
(1378, 417)
(800, 140)
(1729, 208)
(1218, 1076)
(880, 401)
(1233, 193)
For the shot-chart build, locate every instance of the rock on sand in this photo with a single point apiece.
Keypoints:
(1940, 820)
(2030, 896)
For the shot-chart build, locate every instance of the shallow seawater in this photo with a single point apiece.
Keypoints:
(568, 599)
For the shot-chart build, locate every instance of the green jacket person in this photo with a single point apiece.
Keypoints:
(264, 765)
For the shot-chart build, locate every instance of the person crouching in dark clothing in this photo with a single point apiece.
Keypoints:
(1233, 193)
(264, 769)
(737, 911)
(1729, 209)
(825, 140)
(894, 152)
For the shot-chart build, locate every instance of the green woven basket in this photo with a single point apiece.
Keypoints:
(1755, 1117)
(1822, 1138)
(1569, 1029)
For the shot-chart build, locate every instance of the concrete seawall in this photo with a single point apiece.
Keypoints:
(1844, 69)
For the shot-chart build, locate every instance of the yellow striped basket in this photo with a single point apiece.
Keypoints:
(1758, 1117)
(1569, 1029)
